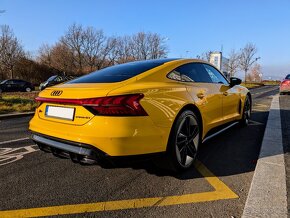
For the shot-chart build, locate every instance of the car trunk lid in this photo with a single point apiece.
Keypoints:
(61, 103)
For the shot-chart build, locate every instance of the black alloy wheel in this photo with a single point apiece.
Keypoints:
(184, 141)
(246, 112)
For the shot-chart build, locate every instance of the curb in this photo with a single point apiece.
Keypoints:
(267, 196)
(15, 115)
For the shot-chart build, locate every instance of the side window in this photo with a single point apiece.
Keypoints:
(174, 75)
(10, 82)
(193, 72)
(188, 73)
(215, 75)
(19, 82)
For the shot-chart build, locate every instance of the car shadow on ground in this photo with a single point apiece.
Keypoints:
(233, 152)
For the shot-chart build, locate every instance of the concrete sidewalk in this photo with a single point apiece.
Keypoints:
(268, 196)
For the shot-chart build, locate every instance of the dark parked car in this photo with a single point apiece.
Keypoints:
(16, 85)
(54, 80)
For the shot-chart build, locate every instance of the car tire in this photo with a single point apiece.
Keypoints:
(28, 89)
(247, 109)
(184, 140)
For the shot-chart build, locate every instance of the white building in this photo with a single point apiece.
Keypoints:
(220, 62)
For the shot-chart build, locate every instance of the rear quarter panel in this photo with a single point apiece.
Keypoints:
(162, 100)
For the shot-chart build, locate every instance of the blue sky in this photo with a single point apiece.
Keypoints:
(193, 26)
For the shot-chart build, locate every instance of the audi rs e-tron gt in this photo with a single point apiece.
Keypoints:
(142, 107)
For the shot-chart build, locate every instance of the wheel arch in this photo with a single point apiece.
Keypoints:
(195, 110)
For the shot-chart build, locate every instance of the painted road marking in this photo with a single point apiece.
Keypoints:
(10, 155)
(14, 140)
(259, 107)
(221, 192)
(255, 123)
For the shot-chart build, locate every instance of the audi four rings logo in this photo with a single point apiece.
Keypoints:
(56, 93)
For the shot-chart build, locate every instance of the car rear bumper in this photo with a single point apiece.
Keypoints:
(114, 136)
(284, 88)
(49, 143)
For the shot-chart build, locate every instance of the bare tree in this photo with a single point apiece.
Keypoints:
(74, 40)
(58, 56)
(255, 72)
(93, 47)
(204, 56)
(232, 64)
(11, 50)
(148, 46)
(112, 44)
(158, 48)
(62, 58)
(123, 50)
(107, 57)
(85, 49)
(44, 55)
(140, 46)
(247, 58)
(90, 47)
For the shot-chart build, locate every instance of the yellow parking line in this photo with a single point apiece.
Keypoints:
(221, 192)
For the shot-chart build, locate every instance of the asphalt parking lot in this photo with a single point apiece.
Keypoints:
(38, 184)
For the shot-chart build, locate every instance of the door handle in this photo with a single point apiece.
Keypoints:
(225, 93)
(200, 95)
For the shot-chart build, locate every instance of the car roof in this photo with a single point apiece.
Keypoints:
(155, 61)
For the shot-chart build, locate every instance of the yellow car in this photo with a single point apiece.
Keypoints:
(142, 107)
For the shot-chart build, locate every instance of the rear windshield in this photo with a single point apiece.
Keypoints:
(120, 72)
(51, 78)
(288, 76)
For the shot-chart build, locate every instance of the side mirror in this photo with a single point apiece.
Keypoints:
(235, 81)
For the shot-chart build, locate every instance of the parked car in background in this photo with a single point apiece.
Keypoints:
(54, 80)
(285, 85)
(16, 85)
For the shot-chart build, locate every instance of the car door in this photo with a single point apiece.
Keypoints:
(18, 85)
(230, 96)
(204, 93)
(9, 85)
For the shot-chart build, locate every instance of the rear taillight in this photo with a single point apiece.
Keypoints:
(285, 83)
(122, 105)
